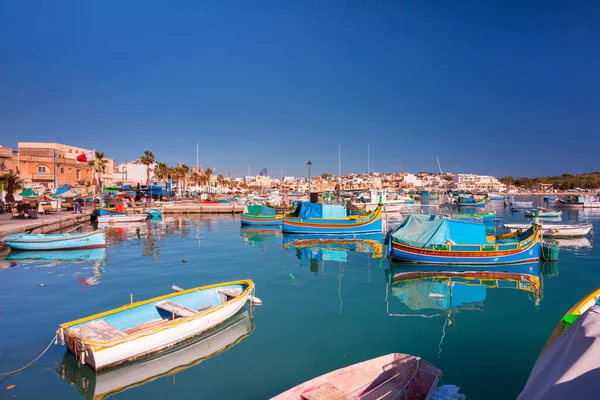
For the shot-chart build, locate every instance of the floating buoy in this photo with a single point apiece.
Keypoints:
(42, 285)
(10, 387)
(292, 276)
(184, 260)
(255, 300)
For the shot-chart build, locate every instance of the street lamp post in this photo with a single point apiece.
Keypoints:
(309, 164)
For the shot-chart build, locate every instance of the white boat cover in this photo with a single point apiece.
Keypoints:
(570, 366)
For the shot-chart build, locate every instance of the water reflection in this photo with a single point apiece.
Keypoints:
(178, 359)
(58, 255)
(254, 236)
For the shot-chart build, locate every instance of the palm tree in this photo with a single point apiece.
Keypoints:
(221, 180)
(161, 171)
(208, 173)
(99, 166)
(147, 159)
(12, 183)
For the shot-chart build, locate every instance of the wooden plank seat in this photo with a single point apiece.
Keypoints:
(175, 310)
(99, 331)
(228, 294)
(325, 392)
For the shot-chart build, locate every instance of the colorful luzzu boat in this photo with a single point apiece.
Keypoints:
(483, 217)
(132, 331)
(57, 241)
(261, 215)
(328, 219)
(469, 202)
(434, 239)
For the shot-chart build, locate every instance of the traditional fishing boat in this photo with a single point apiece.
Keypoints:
(393, 376)
(126, 333)
(555, 230)
(212, 343)
(568, 367)
(469, 202)
(255, 214)
(427, 196)
(98, 254)
(328, 219)
(153, 212)
(521, 205)
(482, 217)
(356, 209)
(56, 241)
(434, 239)
(570, 202)
(543, 213)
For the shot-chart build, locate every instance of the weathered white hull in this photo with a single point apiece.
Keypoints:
(556, 231)
(388, 206)
(114, 219)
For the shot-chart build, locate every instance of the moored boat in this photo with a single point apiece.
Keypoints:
(469, 202)
(153, 212)
(435, 239)
(255, 214)
(212, 343)
(570, 202)
(126, 333)
(56, 241)
(543, 213)
(483, 217)
(327, 219)
(393, 376)
(521, 205)
(568, 366)
(555, 230)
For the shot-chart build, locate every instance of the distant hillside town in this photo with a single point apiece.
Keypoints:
(52, 165)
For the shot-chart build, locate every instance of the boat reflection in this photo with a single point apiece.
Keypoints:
(422, 287)
(254, 236)
(173, 361)
(327, 248)
(575, 243)
(59, 255)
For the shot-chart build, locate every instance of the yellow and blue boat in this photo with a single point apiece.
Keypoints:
(256, 214)
(315, 218)
(434, 239)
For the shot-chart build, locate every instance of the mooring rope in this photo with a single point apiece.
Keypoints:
(37, 358)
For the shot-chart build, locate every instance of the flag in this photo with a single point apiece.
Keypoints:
(263, 172)
(85, 157)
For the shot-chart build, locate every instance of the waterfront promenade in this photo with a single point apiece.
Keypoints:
(42, 224)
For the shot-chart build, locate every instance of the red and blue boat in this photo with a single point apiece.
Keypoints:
(315, 218)
(434, 239)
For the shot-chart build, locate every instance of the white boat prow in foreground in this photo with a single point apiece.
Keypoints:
(135, 330)
(555, 230)
(393, 376)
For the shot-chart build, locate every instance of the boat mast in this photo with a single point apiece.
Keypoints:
(369, 159)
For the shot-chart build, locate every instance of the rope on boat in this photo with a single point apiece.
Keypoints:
(34, 360)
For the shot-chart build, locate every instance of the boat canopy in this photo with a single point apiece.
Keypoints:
(62, 189)
(317, 210)
(420, 230)
(257, 209)
(28, 193)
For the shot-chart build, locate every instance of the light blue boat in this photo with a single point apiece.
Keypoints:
(57, 241)
(60, 255)
(154, 212)
(315, 218)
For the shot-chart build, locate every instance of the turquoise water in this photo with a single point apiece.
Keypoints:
(322, 309)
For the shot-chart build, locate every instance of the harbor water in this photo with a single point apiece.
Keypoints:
(324, 307)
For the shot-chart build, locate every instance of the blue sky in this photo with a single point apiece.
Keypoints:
(490, 87)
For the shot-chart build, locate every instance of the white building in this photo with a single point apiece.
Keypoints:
(477, 182)
(133, 172)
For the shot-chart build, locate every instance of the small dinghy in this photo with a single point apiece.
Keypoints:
(154, 212)
(393, 376)
(56, 241)
(135, 330)
(544, 213)
(555, 230)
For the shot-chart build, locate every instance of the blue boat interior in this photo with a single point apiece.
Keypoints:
(307, 210)
(184, 305)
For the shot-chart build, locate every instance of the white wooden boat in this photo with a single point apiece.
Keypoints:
(543, 213)
(132, 331)
(56, 241)
(174, 361)
(555, 230)
(393, 376)
(118, 218)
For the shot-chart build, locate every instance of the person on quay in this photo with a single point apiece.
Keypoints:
(77, 205)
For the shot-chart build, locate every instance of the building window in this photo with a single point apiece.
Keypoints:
(62, 170)
(78, 173)
(42, 169)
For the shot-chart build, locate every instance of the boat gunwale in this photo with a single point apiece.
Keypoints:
(168, 324)
(76, 236)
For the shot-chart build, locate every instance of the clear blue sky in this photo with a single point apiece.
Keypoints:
(489, 87)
